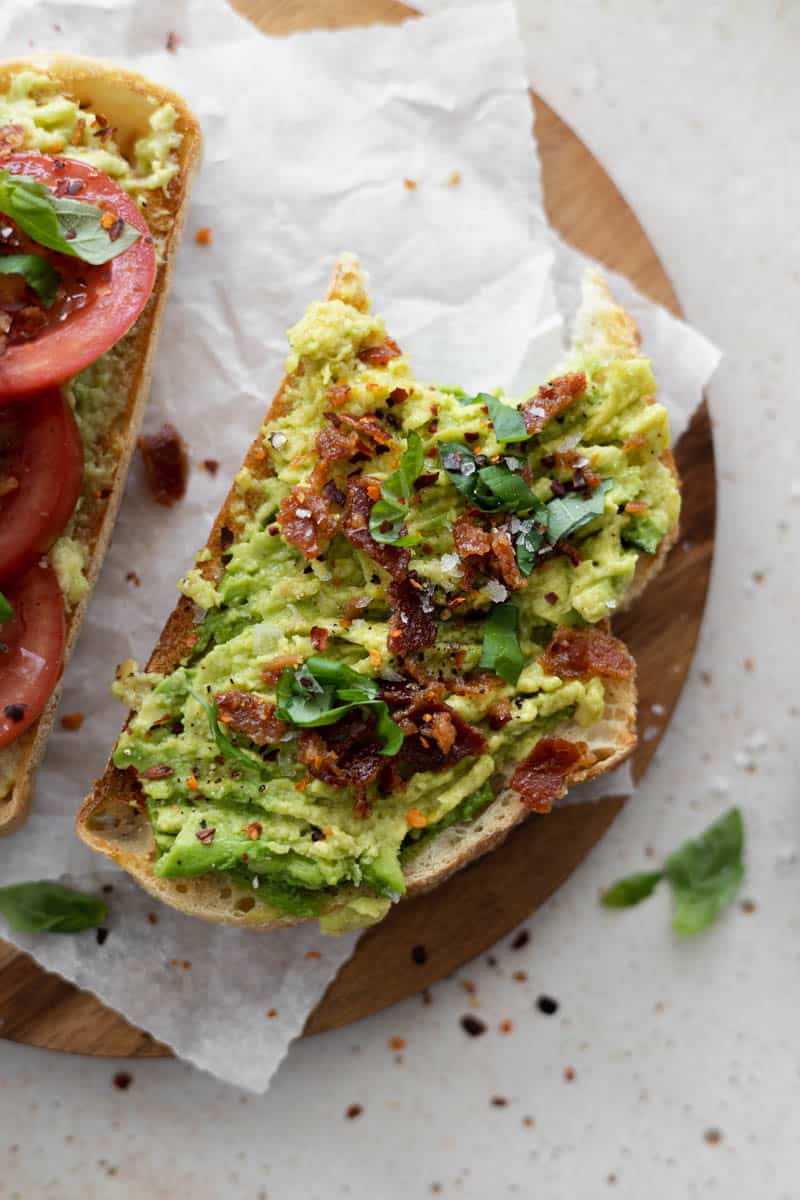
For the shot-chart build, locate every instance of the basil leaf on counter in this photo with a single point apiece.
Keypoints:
(6, 611)
(567, 514)
(321, 691)
(501, 650)
(392, 509)
(62, 223)
(705, 874)
(223, 743)
(508, 422)
(37, 273)
(44, 907)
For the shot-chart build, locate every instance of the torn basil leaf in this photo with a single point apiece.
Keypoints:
(529, 540)
(501, 651)
(387, 516)
(45, 907)
(223, 743)
(37, 272)
(6, 611)
(491, 487)
(508, 422)
(321, 691)
(567, 514)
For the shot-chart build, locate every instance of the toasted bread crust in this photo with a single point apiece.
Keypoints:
(113, 820)
(126, 98)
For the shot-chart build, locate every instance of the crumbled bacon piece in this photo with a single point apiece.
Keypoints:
(367, 426)
(166, 464)
(379, 356)
(335, 445)
(319, 637)
(580, 653)
(338, 393)
(12, 138)
(551, 399)
(306, 518)
(499, 714)
(412, 624)
(506, 560)
(362, 492)
(435, 735)
(476, 683)
(443, 731)
(469, 538)
(487, 552)
(252, 715)
(346, 754)
(544, 775)
(272, 670)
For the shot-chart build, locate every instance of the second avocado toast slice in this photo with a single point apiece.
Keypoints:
(394, 646)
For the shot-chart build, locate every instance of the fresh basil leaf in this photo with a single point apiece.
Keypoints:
(492, 488)
(508, 422)
(501, 650)
(223, 743)
(6, 611)
(387, 516)
(567, 514)
(459, 465)
(45, 907)
(510, 490)
(37, 273)
(310, 696)
(529, 539)
(632, 889)
(62, 223)
(706, 872)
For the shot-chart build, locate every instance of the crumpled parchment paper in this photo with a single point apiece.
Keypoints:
(309, 142)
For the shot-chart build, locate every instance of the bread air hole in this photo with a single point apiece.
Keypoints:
(225, 894)
(245, 904)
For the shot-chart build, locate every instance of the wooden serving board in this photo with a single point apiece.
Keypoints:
(478, 906)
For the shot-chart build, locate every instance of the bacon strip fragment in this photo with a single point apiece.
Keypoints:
(551, 400)
(412, 624)
(346, 754)
(252, 715)
(545, 774)
(362, 492)
(380, 355)
(583, 653)
(435, 735)
(306, 516)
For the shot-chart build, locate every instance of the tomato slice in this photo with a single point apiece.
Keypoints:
(41, 471)
(98, 304)
(31, 650)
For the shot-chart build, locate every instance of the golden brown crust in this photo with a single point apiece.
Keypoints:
(112, 819)
(126, 99)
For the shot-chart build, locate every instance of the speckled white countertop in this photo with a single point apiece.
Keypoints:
(670, 1069)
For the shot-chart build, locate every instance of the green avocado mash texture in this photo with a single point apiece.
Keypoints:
(297, 838)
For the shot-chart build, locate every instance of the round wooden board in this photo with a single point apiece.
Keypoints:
(478, 906)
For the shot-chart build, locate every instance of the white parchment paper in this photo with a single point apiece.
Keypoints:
(308, 143)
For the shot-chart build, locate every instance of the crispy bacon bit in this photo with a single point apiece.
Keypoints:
(12, 138)
(551, 399)
(166, 464)
(211, 465)
(476, 683)
(571, 552)
(306, 518)
(338, 394)
(334, 445)
(544, 775)
(159, 771)
(506, 559)
(637, 442)
(206, 836)
(429, 726)
(469, 538)
(499, 714)
(412, 625)
(333, 494)
(580, 653)
(254, 830)
(319, 637)
(346, 754)
(636, 506)
(486, 552)
(361, 494)
(398, 396)
(379, 356)
(252, 715)
(443, 731)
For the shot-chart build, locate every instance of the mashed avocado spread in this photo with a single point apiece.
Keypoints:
(368, 659)
(54, 123)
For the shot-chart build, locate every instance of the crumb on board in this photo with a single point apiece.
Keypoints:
(203, 236)
(72, 721)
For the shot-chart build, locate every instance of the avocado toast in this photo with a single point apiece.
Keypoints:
(395, 643)
(145, 139)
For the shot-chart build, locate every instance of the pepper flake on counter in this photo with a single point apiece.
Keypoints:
(72, 721)
(203, 236)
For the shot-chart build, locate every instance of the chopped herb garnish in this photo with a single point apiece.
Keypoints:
(6, 611)
(62, 223)
(44, 907)
(224, 744)
(705, 874)
(492, 487)
(37, 273)
(501, 650)
(508, 422)
(321, 691)
(388, 514)
(567, 514)
(529, 540)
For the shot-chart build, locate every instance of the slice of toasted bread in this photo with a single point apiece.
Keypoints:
(112, 819)
(605, 331)
(127, 101)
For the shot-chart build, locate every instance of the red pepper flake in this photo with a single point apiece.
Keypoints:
(747, 906)
(414, 817)
(253, 830)
(520, 976)
(551, 597)
(319, 637)
(203, 236)
(312, 954)
(211, 465)
(122, 1080)
(455, 179)
(474, 1026)
(133, 578)
(109, 220)
(72, 721)
(172, 42)
(206, 836)
(506, 1026)
(353, 1110)
(192, 783)
(499, 1101)
(521, 939)
(712, 1137)
(272, 1012)
(397, 1043)
(152, 918)
(569, 1074)
(528, 1122)
(469, 987)
(410, 185)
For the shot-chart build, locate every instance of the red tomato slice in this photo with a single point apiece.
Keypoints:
(31, 650)
(101, 302)
(41, 450)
